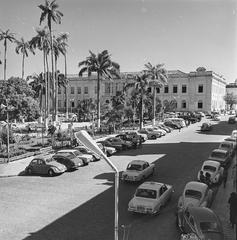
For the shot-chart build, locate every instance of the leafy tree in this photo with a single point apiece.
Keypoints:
(23, 47)
(104, 67)
(230, 99)
(159, 78)
(50, 13)
(5, 37)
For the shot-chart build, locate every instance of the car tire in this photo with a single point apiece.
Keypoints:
(29, 171)
(51, 172)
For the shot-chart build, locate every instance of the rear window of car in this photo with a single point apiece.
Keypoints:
(209, 168)
(193, 194)
(209, 227)
(136, 167)
(146, 193)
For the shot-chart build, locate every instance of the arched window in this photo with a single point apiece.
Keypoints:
(184, 104)
(200, 104)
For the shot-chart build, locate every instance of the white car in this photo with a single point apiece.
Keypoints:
(109, 151)
(138, 170)
(195, 194)
(233, 140)
(215, 170)
(86, 158)
(162, 131)
(178, 120)
(150, 197)
(85, 150)
(229, 146)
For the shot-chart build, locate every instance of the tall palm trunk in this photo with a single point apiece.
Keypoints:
(5, 59)
(45, 90)
(23, 63)
(141, 111)
(56, 91)
(52, 64)
(49, 83)
(66, 87)
(154, 106)
(98, 100)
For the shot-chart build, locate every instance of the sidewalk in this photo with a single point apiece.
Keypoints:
(220, 205)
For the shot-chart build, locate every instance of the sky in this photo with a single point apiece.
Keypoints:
(181, 34)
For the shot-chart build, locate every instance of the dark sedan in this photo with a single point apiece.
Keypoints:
(71, 162)
(202, 222)
(221, 156)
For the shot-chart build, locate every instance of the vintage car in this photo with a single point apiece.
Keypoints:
(201, 221)
(214, 169)
(195, 194)
(119, 142)
(45, 165)
(130, 138)
(150, 197)
(86, 158)
(227, 146)
(206, 126)
(221, 156)
(85, 150)
(233, 140)
(138, 170)
(150, 133)
(71, 162)
(234, 134)
(162, 131)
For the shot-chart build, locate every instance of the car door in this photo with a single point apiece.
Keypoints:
(34, 165)
(163, 194)
(145, 170)
(42, 166)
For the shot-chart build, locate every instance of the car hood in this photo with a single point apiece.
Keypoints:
(146, 202)
(187, 201)
(87, 156)
(213, 236)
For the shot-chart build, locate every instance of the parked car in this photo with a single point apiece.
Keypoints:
(229, 146)
(142, 136)
(232, 120)
(195, 194)
(172, 124)
(206, 127)
(221, 156)
(117, 141)
(138, 170)
(201, 221)
(150, 197)
(216, 117)
(234, 134)
(70, 161)
(233, 140)
(139, 137)
(214, 169)
(150, 134)
(130, 138)
(106, 143)
(166, 128)
(162, 131)
(86, 158)
(85, 150)
(179, 121)
(45, 165)
(109, 151)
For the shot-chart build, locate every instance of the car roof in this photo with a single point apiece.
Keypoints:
(211, 163)
(64, 154)
(219, 150)
(199, 186)
(226, 143)
(138, 162)
(203, 214)
(151, 185)
(67, 150)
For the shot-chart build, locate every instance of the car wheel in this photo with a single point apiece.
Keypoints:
(29, 171)
(51, 172)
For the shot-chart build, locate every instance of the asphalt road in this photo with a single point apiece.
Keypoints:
(79, 205)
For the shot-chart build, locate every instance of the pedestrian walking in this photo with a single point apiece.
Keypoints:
(233, 208)
(201, 177)
(225, 176)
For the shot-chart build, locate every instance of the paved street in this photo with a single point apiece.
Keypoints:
(80, 204)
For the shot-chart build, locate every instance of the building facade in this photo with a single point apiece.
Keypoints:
(199, 90)
(232, 89)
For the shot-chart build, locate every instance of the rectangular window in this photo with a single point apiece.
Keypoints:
(107, 88)
(59, 103)
(200, 88)
(166, 89)
(175, 89)
(200, 105)
(78, 90)
(183, 104)
(184, 88)
(157, 90)
(72, 90)
(72, 104)
(86, 90)
(59, 90)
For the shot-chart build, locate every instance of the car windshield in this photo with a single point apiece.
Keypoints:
(230, 139)
(218, 154)
(77, 153)
(209, 227)
(136, 167)
(146, 193)
(49, 160)
(209, 168)
(193, 194)
(224, 145)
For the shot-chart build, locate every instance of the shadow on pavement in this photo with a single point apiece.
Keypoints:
(94, 220)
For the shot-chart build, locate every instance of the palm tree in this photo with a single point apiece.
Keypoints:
(41, 41)
(23, 47)
(62, 82)
(159, 78)
(104, 67)
(140, 85)
(50, 12)
(6, 36)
